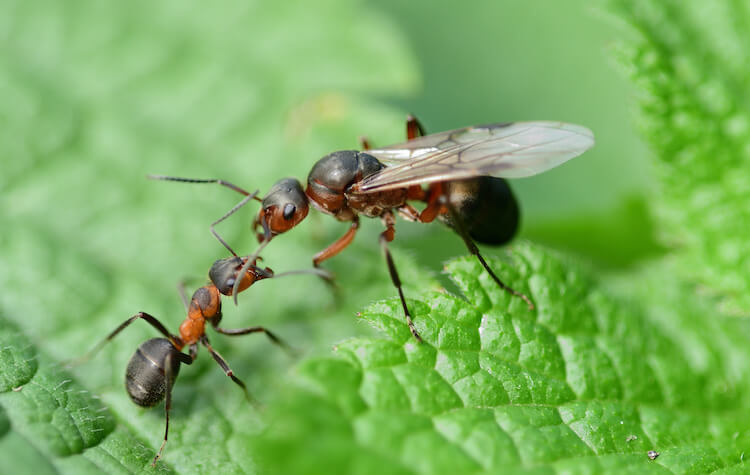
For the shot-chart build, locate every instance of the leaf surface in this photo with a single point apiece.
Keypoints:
(587, 382)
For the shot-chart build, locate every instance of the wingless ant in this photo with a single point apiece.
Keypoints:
(153, 369)
(459, 175)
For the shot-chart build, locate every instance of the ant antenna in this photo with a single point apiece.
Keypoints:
(324, 274)
(202, 180)
(228, 214)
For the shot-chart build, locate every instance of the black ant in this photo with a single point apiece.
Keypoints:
(458, 174)
(154, 367)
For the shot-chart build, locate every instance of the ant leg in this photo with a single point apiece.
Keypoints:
(167, 407)
(339, 245)
(408, 212)
(200, 180)
(364, 143)
(168, 401)
(327, 253)
(461, 230)
(386, 237)
(227, 370)
(435, 203)
(228, 214)
(256, 329)
(153, 321)
(413, 128)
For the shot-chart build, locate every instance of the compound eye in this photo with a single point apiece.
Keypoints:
(289, 210)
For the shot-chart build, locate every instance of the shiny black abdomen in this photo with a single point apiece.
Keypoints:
(145, 378)
(487, 206)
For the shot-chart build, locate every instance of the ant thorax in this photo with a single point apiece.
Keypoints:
(373, 205)
(332, 186)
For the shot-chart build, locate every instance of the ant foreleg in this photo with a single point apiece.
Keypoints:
(385, 237)
(339, 245)
(334, 248)
(473, 249)
(153, 321)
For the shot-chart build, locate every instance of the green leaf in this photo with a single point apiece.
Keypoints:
(96, 96)
(17, 358)
(692, 68)
(43, 404)
(587, 382)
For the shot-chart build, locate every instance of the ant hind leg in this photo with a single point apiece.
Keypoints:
(473, 249)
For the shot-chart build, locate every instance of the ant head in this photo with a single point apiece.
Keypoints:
(223, 274)
(284, 207)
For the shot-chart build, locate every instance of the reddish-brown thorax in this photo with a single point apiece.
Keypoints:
(204, 305)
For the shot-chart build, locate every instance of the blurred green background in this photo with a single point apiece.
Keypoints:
(95, 95)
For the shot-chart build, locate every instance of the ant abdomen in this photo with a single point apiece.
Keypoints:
(145, 378)
(487, 207)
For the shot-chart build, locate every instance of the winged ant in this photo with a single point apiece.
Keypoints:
(459, 175)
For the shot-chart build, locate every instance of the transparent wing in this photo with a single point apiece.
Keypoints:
(512, 150)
